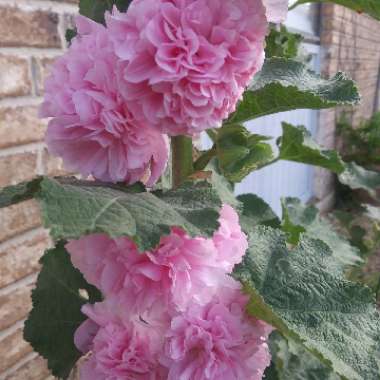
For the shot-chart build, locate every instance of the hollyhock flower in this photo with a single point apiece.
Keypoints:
(230, 241)
(276, 10)
(179, 269)
(186, 63)
(190, 269)
(217, 341)
(117, 268)
(92, 128)
(103, 261)
(121, 346)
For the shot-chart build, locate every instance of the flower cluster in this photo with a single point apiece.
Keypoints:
(163, 67)
(170, 313)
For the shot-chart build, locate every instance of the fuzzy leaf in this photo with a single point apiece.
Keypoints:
(294, 362)
(95, 9)
(72, 208)
(284, 85)
(298, 219)
(56, 311)
(371, 7)
(239, 152)
(296, 144)
(356, 177)
(257, 212)
(18, 193)
(307, 299)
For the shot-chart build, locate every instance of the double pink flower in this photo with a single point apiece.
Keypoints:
(163, 67)
(171, 313)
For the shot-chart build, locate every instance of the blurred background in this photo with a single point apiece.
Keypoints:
(32, 34)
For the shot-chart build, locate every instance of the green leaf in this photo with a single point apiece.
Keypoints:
(282, 43)
(371, 7)
(296, 144)
(294, 362)
(18, 193)
(222, 186)
(306, 299)
(72, 208)
(357, 178)
(56, 311)
(95, 9)
(284, 85)
(70, 34)
(239, 152)
(256, 212)
(298, 219)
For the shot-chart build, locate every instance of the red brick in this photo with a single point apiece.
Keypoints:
(14, 76)
(29, 28)
(42, 70)
(21, 259)
(18, 167)
(20, 125)
(36, 369)
(18, 218)
(53, 166)
(12, 349)
(14, 306)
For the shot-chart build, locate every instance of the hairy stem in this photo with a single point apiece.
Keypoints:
(182, 159)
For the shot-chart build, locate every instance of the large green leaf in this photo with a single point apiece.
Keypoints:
(95, 9)
(305, 298)
(371, 7)
(356, 177)
(298, 219)
(72, 208)
(19, 193)
(223, 187)
(294, 362)
(56, 311)
(256, 212)
(239, 152)
(296, 144)
(284, 85)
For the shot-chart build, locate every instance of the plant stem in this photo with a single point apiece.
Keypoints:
(182, 159)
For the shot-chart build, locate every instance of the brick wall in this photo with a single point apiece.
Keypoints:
(350, 42)
(31, 35)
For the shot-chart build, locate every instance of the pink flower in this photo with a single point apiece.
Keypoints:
(217, 341)
(92, 128)
(276, 10)
(117, 269)
(179, 270)
(189, 269)
(186, 63)
(230, 241)
(122, 346)
(103, 261)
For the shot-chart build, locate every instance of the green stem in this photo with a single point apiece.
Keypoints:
(182, 159)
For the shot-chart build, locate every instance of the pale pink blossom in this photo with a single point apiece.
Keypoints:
(190, 270)
(117, 268)
(230, 241)
(186, 63)
(217, 341)
(121, 346)
(276, 10)
(180, 269)
(103, 261)
(92, 128)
